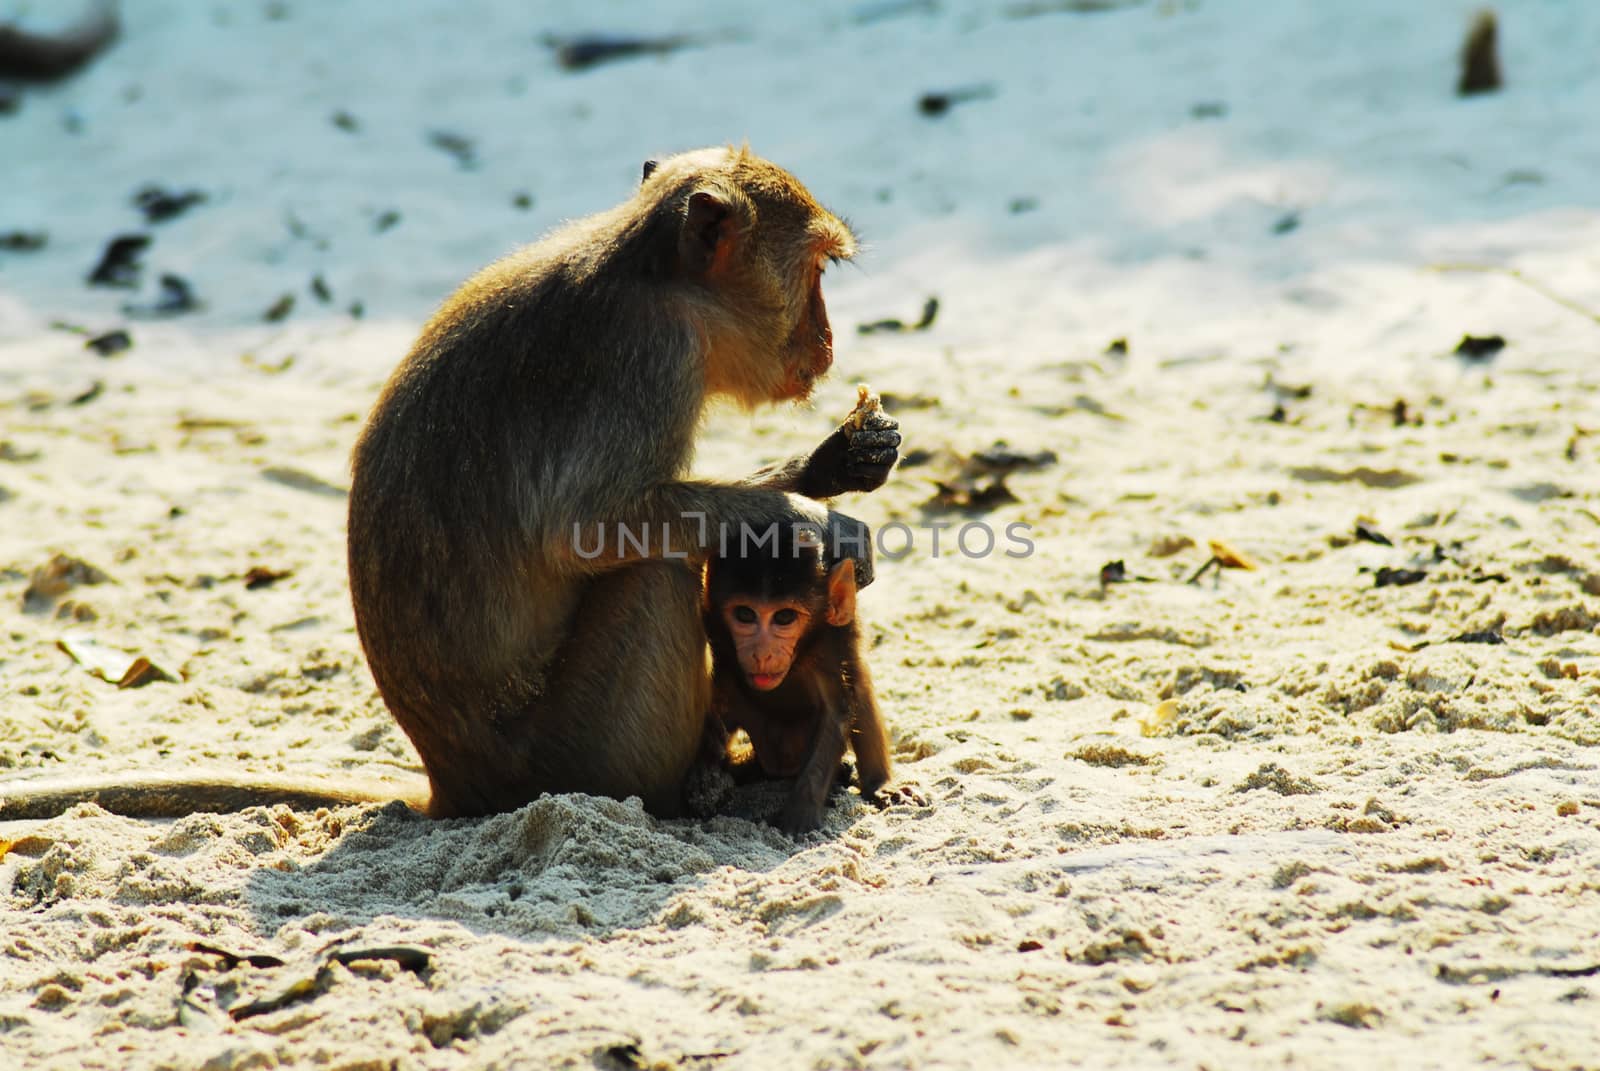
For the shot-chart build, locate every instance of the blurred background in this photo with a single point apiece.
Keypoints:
(1195, 173)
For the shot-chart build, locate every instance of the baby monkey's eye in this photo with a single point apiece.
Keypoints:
(744, 615)
(785, 617)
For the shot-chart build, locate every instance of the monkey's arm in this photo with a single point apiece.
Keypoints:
(802, 811)
(42, 58)
(692, 519)
(850, 459)
(147, 795)
(868, 737)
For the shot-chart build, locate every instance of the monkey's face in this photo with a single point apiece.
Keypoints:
(811, 239)
(809, 351)
(786, 285)
(765, 636)
(759, 242)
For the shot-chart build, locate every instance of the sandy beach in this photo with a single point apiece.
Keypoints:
(1210, 271)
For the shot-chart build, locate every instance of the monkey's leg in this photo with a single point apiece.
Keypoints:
(868, 737)
(802, 812)
(709, 784)
(624, 713)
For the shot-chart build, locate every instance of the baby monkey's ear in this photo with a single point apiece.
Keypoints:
(842, 593)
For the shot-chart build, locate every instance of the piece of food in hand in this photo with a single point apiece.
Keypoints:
(868, 411)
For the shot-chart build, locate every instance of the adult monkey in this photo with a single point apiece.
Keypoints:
(560, 390)
(562, 386)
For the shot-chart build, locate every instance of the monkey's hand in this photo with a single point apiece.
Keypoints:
(707, 788)
(902, 794)
(850, 538)
(856, 457)
(799, 816)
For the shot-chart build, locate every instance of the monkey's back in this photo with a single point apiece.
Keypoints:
(540, 396)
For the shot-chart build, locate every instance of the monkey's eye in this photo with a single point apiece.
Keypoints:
(785, 617)
(744, 615)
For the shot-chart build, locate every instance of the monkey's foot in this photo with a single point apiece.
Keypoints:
(903, 794)
(707, 789)
(799, 816)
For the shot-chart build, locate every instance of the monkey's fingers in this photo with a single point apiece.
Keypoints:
(799, 816)
(875, 439)
(871, 455)
(869, 472)
(878, 421)
(864, 479)
(904, 794)
(873, 458)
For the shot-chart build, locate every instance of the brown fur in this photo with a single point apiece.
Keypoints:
(564, 386)
(825, 703)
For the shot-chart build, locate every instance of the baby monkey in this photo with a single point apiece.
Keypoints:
(787, 668)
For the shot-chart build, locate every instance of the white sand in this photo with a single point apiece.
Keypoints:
(1340, 850)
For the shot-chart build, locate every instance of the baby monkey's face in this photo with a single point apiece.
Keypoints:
(765, 637)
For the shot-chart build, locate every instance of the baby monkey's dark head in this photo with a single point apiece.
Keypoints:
(767, 599)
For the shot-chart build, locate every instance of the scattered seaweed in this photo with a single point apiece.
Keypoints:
(119, 265)
(892, 325)
(1480, 57)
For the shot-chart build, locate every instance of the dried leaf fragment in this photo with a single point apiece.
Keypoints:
(112, 665)
(969, 496)
(55, 578)
(1389, 577)
(231, 960)
(893, 325)
(261, 576)
(1228, 557)
(1161, 719)
(301, 480)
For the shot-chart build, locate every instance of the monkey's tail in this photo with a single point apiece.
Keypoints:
(154, 795)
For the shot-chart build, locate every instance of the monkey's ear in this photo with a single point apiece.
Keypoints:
(707, 231)
(649, 169)
(842, 593)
